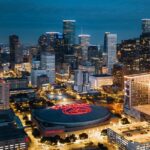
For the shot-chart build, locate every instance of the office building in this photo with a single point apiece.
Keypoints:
(137, 95)
(69, 27)
(145, 26)
(16, 54)
(100, 80)
(134, 136)
(105, 42)
(111, 46)
(4, 94)
(48, 64)
(93, 52)
(81, 81)
(84, 41)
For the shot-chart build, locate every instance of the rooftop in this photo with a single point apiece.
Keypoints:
(9, 132)
(136, 132)
(143, 109)
(137, 75)
(101, 75)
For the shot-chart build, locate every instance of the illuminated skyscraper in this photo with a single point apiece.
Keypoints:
(111, 47)
(69, 32)
(145, 26)
(4, 95)
(84, 41)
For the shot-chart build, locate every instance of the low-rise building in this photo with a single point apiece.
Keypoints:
(134, 136)
(98, 81)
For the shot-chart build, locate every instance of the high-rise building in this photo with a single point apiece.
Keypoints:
(111, 51)
(16, 54)
(145, 26)
(137, 94)
(105, 42)
(84, 41)
(69, 32)
(81, 84)
(4, 94)
(48, 64)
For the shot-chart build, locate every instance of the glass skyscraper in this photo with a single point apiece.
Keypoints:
(69, 32)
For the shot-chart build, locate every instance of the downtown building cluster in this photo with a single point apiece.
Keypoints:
(59, 58)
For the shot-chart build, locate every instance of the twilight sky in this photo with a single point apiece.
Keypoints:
(30, 18)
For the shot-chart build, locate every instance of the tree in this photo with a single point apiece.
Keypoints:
(83, 136)
(36, 133)
(104, 132)
(125, 121)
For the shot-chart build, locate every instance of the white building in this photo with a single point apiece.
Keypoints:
(4, 95)
(111, 45)
(98, 81)
(35, 73)
(81, 81)
(48, 64)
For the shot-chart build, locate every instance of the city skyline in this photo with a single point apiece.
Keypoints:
(95, 18)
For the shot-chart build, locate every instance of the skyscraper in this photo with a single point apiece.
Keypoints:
(4, 94)
(48, 64)
(145, 26)
(84, 41)
(111, 47)
(69, 33)
(16, 54)
(105, 42)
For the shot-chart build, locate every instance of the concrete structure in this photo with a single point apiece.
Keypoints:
(35, 73)
(111, 41)
(48, 64)
(137, 95)
(84, 41)
(98, 81)
(59, 119)
(131, 137)
(81, 81)
(4, 94)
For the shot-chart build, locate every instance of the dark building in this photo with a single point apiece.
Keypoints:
(69, 33)
(135, 55)
(43, 79)
(93, 52)
(12, 134)
(17, 83)
(15, 51)
(118, 75)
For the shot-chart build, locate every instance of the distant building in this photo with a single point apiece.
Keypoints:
(4, 94)
(48, 64)
(17, 83)
(118, 75)
(69, 31)
(111, 46)
(98, 81)
(145, 26)
(105, 42)
(81, 81)
(84, 41)
(35, 73)
(16, 54)
(137, 96)
(41, 80)
(93, 52)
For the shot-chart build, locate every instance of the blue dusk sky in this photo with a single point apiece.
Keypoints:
(30, 18)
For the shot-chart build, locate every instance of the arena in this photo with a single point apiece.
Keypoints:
(63, 118)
